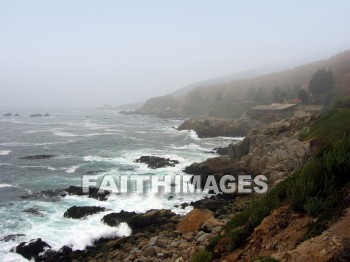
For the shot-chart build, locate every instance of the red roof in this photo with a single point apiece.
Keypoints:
(296, 100)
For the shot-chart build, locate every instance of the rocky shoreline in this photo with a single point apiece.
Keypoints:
(160, 235)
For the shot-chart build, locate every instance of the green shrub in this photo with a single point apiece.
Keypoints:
(313, 206)
(201, 255)
(313, 189)
(265, 259)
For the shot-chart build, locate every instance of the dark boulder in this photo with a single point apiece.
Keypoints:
(93, 192)
(150, 221)
(156, 162)
(79, 212)
(36, 157)
(8, 114)
(33, 210)
(32, 249)
(62, 255)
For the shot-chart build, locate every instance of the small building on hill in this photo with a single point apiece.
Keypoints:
(273, 109)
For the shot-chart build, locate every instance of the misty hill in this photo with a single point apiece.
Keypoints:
(131, 106)
(230, 99)
(219, 80)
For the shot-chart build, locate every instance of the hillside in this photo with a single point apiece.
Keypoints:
(232, 98)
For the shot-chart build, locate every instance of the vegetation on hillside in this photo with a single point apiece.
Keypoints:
(315, 189)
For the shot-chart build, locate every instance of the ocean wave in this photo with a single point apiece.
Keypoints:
(4, 152)
(193, 135)
(3, 185)
(39, 167)
(67, 134)
(13, 144)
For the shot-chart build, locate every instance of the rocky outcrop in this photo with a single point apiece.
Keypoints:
(93, 192)
(236, 151)
(280, 231)
(162, 106)
(194, 220)
(8, 114)
(32, 249)
(157, 162)
(213, 127)
(80, 212)
(151, 220)
(273, 151)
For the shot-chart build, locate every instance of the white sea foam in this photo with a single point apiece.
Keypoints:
(67, 134)
(3, 185)
(72, 169)
(4, 152)
(193, 135)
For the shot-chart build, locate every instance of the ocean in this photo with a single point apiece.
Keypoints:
(85, 142)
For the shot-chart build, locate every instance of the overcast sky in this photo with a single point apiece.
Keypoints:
(88, 53)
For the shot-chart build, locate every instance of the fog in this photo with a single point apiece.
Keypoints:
(90, 53)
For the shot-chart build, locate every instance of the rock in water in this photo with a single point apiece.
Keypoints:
(157, 162)
(32, 249)
(8, 114)
(93, 192)
(79, 212)
(11, 237)
(140, 222)
(33, 211)
(36, 157)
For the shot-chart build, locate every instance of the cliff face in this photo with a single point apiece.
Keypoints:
(213, 127)
(275, 150)
(272, 150)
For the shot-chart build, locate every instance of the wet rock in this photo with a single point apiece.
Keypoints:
(32, 249)
(8, 114)
(46, 115)
(151, 220)
(83, 211)
(36, 157)
(11, 237)
(62, 255)
(93, 192)
(33, 211)
(156, 162)
(222, 151)
(194, 220)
